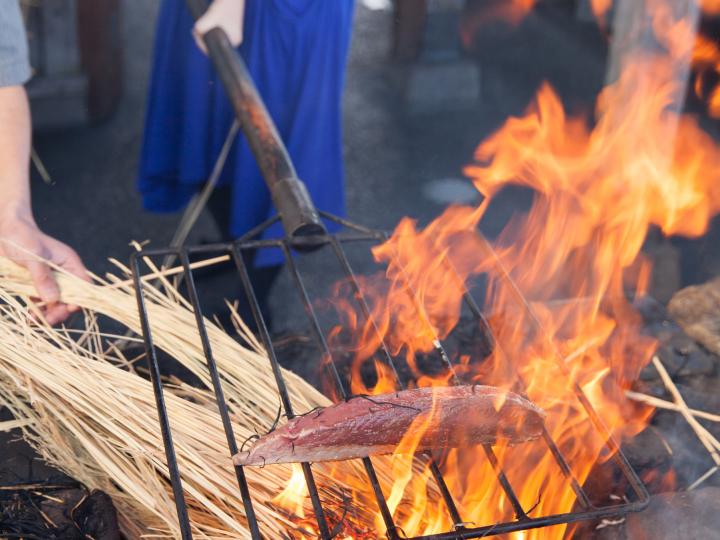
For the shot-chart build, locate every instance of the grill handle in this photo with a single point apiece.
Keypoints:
(289, 194)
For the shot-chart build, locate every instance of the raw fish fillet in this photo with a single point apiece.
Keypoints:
(365, 426)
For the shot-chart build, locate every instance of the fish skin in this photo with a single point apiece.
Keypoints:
(373, 425)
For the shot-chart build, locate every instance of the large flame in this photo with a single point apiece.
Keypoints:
(705, 58)
(711, 7)
(600, 184)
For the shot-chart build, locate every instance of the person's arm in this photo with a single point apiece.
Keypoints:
(14, 151)
(20, 238)
(226, 14)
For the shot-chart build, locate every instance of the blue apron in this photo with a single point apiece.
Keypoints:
(296, 52)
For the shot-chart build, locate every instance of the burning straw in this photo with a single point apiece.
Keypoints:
(97, 421)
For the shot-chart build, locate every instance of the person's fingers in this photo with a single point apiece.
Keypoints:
(71, 261)
(67, 259)
(204, 24)
(56, 313)
(199, 39)
(201, 25)
(227, 15)
(44, 282)
(35, 312)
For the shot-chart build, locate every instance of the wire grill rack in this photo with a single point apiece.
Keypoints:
(635, 497)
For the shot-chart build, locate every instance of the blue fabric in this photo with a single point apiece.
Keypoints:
(296, 52)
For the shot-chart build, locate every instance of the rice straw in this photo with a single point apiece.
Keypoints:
(711, 444)
(248, 379)
(669, 406)
(96, 421)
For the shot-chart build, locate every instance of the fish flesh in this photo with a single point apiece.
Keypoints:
(438, 417)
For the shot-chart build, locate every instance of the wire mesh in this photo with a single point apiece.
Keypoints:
(636, 497)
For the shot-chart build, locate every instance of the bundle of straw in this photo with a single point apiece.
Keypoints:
(247, 373)
(97, 421)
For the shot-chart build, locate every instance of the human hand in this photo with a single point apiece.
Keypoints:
(25, 244)
(228, 15)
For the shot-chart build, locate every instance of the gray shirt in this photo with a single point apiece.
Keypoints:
(14, 61)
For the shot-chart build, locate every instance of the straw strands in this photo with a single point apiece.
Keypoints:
(86, 413)
(250, 381)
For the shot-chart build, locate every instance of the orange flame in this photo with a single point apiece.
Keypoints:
(678, 35)
(706, 60)
(600, 9)
(711, 7)
(291, 499)
(515, 10)
(479, 14)
(599, 186)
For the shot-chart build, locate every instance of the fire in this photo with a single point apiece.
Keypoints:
(711, 7)
(478, 14)
(600, 8)
(674, 33)
(558, 281)
(515, 10)
(706, 60)
(292, 498)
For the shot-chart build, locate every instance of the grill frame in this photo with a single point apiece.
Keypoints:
(354, 233)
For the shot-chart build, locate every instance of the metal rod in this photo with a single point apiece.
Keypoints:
(378, 235)
(437, 474)
(320, 517)
(523, 522)
(617, 455)
(200, 199)
(219, 394)
(289, 194)
(533, 523)
(257, 230)
(155, 377)
(347, 269)
(478, 314)
(262, 330)
(310, 311)
(566, 470)
(609, 440)
(391, 529)
(504, 482)
(564, 467)
(501, 476)
(437, 345)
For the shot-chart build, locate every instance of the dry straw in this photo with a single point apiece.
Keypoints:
(80, 406)
(691, 416)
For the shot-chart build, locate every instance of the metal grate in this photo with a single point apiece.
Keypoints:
(636, 497)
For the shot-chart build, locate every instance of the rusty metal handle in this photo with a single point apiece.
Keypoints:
(289, 194)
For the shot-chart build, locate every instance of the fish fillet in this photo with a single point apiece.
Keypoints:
(364, 426)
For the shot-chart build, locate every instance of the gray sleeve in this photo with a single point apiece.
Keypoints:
(14, 61)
